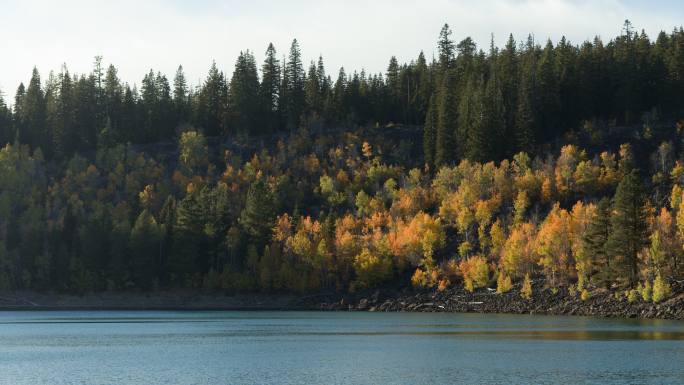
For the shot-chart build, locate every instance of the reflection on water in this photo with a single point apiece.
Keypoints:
(335, 348)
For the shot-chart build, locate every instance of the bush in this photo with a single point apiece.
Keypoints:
(371, 269)
(585, 295)
(419, 278)
(661, 289)
(632, 295)
(646, 291)
(526, 291)
(475, 272)
(503, 283)
(443, 284)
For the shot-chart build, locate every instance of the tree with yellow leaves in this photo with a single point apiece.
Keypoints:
(517, 255)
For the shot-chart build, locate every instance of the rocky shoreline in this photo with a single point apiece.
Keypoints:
(601, 303)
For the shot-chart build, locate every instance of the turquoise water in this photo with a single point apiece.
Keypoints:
(146, 347)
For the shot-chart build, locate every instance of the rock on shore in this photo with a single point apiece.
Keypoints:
(601, 303)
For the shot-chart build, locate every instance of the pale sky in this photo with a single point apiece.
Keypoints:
(142, 34)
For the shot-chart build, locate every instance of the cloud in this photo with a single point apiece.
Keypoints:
(139, 35)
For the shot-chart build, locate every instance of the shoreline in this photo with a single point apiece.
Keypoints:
(601, 303)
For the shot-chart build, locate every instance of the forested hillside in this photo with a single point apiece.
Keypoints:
(471, 168)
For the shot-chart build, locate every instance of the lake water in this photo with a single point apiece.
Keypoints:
(150, 347)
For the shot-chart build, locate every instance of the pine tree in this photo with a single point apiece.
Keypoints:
(150, 105)
(492, 137)
(113, 97)
(211, 111)
(189, 239)
(447, 122)
(129, 115)
(6, 132)
(180, 96)
(394, 87)
(60, 109)
(294, 73)
(257, 218)
(243, 95)
(628, 226)
(424, 91)
(146, 242)
(312, 89)
(446, 49)
(270, 89)
(507, 71)
(470, 120)
(430, 133)
(34, 113)
(549, 97)
(525, 123)
(594, 243)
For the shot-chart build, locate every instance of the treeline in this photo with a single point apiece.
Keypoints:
(325, 212)
(474, 104)
(82, 209)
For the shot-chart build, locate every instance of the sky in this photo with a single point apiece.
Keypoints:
(136, 35)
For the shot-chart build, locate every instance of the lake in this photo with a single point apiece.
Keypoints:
(231, 347)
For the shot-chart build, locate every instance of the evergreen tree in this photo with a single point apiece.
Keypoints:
(628, 226)
(257, 218)
(549, 98)
(113, 98)
(34, 132)
(446, 49)
(394, 89)
(294, 75)
(65, 135)
(6, 132)
(594, 243)
(243, 95)
(313, 89)
(211, 111)
(189, 238)
(180, 96)
(146, 242)
(491, 138)
(507, 71)
(430, 133)
(150, 107)
(447, 122)
(86, 119)
(270, 88)
(422, 91)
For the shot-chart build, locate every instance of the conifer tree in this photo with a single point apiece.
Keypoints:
(628, 226)
(446, 49)
(313, 91)
(257, 218)
(113, 97)
(243, 95)
(34, 114)
(447, 122)
(296, 98)
(6, 134)
(211, 111)
(270, 88)
(146, 238)
(180, 96)
(430, 132)
(595, 241)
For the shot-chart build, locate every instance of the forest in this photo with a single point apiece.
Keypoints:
(478, 167)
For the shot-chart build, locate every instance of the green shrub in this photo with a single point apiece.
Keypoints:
(503, 283)
(526, 291)
(661, 289)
